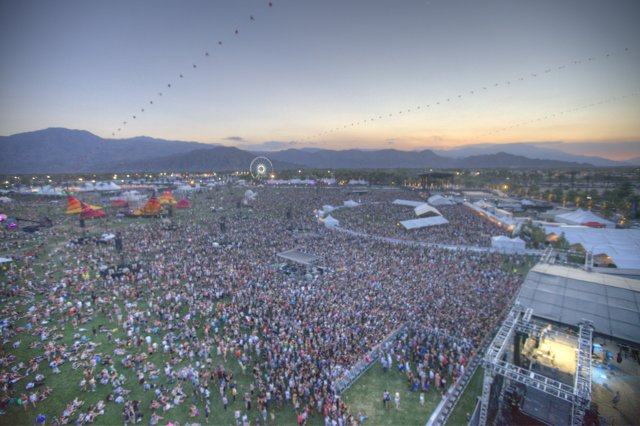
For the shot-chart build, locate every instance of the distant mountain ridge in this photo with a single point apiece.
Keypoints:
(529, 150)
(217, 158)
(58, 150)
(391, 158)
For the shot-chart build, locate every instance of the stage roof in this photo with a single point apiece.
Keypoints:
(298, 256)
(569, 295)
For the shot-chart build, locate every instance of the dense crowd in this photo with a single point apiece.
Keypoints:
(465, 227)
(208, 303)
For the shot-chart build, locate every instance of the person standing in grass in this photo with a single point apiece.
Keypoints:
(386, 398)
(396, 400)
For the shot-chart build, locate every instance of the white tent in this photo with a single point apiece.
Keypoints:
(581, 217)
(439, 200)
(508, 245)
(425, 208)
(350, 203)
(131, 196)
(622, 245)
(50, 190)
(408, 203)
(106, 186)
(330, 221)
(186, 188)
(5, 200)
(5, 259)
(424, 222)
(328, 208)
(107, 237)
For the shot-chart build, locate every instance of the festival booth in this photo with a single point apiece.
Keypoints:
(508, 245)
(330, 221)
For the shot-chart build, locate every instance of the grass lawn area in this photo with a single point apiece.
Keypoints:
(467, 401)
(66, 387)
(365, 396)
(523, 268)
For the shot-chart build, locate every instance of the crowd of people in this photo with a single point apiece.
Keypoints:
(207, 324)
(465, 227)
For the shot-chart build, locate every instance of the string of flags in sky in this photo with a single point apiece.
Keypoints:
(469, 93)
(475, 92)
(557, 114)
(207, 54)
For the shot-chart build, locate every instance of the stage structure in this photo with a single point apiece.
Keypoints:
(547, 370)
(436, 180)
(300, 261)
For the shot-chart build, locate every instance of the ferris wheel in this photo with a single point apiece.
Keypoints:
(261, 168)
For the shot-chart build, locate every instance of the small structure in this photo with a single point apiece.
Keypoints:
(508, 245)
(299, 262)
(330, 221)
(435, 180)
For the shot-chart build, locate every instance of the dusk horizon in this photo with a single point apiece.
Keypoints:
(371, 76)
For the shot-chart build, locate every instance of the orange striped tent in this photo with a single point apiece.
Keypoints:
(152, 208)
(167, 198)
(75, 205)
(90, 213)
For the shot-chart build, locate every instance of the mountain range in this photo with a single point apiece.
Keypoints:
(58, 150)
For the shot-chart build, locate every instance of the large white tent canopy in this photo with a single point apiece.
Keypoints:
(408, 203)
(622, 245)
(581, 217)
(425, 208)
(439, 200)
(424, 222)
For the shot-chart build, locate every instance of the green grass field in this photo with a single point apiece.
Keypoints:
(365, 397)
(467, 401)
(66, 386)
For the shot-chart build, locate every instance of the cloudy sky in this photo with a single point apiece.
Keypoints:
(333, 73)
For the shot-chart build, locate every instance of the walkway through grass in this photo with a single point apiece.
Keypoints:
(365, 397)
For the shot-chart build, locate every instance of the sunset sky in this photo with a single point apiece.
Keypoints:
(301, 73)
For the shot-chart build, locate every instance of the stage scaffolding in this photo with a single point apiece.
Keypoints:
(496, 364)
